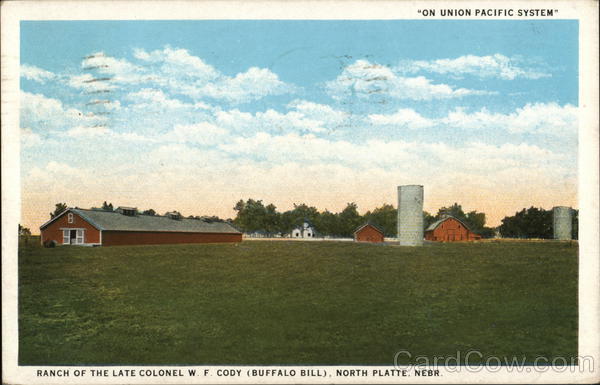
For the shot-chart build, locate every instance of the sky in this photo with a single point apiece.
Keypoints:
(196, 115)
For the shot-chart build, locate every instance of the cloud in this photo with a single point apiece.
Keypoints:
(103, 73)
(148, 97)
(104, 133)
(174, 70)
(120, 70)
(424, 158)
(302, 117)
(43, 179)
(36, 74)
(292, 168)
(178, 63)
(320, 112)
(404, 117)
(29, 138)
(269, 120)
(41, 112)
(492, 66)
(87, 132)
(189, 75)
(203, 133)
(90, 83)
(61, 168)
(152, 112)
(541, 118)
(365, 79)
(536, 118)
(253, 84)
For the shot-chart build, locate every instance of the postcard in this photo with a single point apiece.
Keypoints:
(300, 192)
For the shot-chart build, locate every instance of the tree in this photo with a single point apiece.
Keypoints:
(302, 212)
(107, 206)
(455, 210)
(297, 216)
(286, 222)
(213, 218)
(528, 223)
(384, 217)
(350, 219)
(271, 219)
(473, 219)
(24, 231)
(149, 212)
(327, 223)
(24, 234)
(428, 219)
(251, 215)
(240, 217)
(58, 209)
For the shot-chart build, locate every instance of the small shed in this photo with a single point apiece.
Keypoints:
(450, 229)
(368, 233)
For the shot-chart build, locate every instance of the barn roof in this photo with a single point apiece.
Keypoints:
(435, 224)
(368, 224)
(115, 221)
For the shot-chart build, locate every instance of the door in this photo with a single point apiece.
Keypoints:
(450, 235)
(73, 236)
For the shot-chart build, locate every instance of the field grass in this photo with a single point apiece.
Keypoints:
(266, 302)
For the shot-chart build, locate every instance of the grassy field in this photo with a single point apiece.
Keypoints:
(266, 302)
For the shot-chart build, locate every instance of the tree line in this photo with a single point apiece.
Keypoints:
(534, 223)
(253, 216)
(60, 207)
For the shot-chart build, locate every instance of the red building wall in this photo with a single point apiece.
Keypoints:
(120, 238)
(368, 234)
(451, 230)
(54, 230)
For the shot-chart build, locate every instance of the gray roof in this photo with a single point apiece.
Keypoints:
(369, 224)
(435, 224)
(114, 221)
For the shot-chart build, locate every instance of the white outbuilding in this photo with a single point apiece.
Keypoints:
(306, 230)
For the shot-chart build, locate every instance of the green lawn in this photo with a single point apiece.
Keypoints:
(262, 302)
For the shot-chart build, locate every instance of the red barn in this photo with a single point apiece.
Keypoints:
(450, 229)
(368, 233)
(126, 226)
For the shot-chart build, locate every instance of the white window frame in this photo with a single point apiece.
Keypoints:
(70, 218)
(79, 238)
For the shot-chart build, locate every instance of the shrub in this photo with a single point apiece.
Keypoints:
(50, 243)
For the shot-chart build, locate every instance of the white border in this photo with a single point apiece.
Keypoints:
(586, 11)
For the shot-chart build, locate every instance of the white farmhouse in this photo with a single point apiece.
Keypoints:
(306, 230)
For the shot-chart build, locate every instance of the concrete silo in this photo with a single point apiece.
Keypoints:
(562, 222)
(410, 215)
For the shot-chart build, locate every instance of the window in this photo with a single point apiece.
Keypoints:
(66, 237)
(70, 217)
(79, 239)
